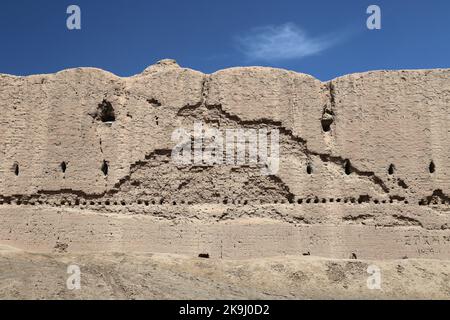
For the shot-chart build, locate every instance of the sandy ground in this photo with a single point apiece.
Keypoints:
(161, 276)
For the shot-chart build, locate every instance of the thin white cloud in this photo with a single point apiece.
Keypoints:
(284, 42)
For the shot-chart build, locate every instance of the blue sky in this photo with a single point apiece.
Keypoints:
(323, 38)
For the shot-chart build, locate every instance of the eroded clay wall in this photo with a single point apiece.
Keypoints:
(85, 134)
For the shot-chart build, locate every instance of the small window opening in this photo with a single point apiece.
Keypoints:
(16, 169)
(327, 120)
(348, 167)
(63, 167)
(105, 112)
(391, 169)
(105, 168)
(432, 167)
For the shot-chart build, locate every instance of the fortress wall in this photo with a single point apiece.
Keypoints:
(50, 119)
(391, 125)
(348, 132)
(44, 122)
(399, 118)
(363, 162)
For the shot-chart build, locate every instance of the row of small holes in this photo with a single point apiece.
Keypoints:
(244, 202)
(63, 166)
(309, 168)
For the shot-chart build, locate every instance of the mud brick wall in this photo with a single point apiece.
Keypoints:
(365, 150)
(378, 135)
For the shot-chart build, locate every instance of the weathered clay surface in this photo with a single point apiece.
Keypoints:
(166, 276)
(85, 163)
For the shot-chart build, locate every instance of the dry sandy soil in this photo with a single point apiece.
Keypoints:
(162, 276)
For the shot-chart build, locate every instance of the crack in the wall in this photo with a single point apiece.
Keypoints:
(408, 220)
(37, 197)
(345, 163)
(328, 111)
(332, 93)
(358, 218)
(205, 89)
(81, 194)
(289, 195)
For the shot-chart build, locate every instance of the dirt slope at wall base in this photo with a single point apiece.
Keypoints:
(163, 276)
